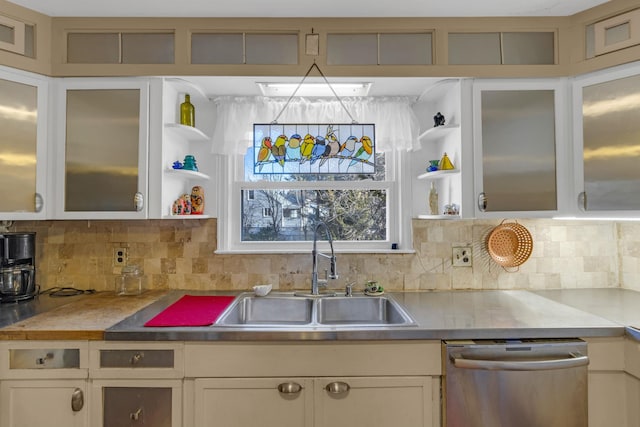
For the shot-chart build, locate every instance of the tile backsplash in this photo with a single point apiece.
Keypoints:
(180, 254)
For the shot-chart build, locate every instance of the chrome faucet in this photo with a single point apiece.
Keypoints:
(315, 282)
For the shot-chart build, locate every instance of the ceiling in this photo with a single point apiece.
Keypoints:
(308, 8)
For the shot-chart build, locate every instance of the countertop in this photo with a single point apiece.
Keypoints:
(438, 314)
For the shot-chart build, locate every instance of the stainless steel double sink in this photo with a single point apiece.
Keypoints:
(285, 310)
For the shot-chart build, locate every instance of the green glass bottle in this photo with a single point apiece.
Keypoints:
(187, 112)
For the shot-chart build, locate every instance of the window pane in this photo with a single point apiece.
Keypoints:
(272, 48)
(139, 48)
(405, 49)
(93, 48)
(7, 34)
(528, 48)
(217, 49)
(289, 215)
(474, 48)
(352, 49)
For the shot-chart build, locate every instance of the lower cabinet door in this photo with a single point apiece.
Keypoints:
(130, 403)
(375, 402)
(264, 402)
(51, 403)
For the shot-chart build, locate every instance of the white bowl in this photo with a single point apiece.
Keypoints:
(262, 290)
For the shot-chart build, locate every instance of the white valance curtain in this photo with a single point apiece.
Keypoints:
(397, 127)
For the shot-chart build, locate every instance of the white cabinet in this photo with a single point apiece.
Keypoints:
(376, 401)
(314, 384)
(23, 146)
(54, 403)
(240, 402)
(177, 142)
(606, 145)
(520, 147)
(52, 375)
(445, 97)
(319, 402)
(101, 148)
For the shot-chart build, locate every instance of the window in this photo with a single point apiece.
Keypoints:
(276, 212)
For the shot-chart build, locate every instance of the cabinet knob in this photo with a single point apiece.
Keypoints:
(337, 387)
(77, 400)
(289, 388)
(482, 202)
(582, 201)
(39, 202)
(136, 416)
(138, 201)
(136, 358)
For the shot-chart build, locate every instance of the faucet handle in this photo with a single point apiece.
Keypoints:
(348, 291)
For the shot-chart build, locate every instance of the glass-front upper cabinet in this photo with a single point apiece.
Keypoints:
(519, 156)
(607, 141)
(23, 120)
(102, 148)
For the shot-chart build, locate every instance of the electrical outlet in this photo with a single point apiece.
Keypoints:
(120, 256)
(461, 256)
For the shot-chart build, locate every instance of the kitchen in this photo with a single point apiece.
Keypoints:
(178, 254)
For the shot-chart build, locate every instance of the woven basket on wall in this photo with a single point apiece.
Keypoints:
(510, 244)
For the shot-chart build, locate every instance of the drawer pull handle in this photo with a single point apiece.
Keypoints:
(135, 416)
(337, 387)
(43, 360)
(77, 400)
(136, 358)
(289, 388)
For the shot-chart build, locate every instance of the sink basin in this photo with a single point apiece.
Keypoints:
(288, 311)
(267, 311)
(362, 310)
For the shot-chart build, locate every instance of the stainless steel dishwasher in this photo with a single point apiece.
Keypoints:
(515, 383)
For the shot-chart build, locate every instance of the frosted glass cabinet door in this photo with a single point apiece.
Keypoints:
(515, 134)
(105, 150)
(22, 145)
(611, 144)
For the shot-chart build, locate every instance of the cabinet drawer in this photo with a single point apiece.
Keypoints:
(136, 359)
(121, 402)
(44, 358)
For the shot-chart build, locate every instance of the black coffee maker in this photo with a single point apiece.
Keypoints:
(17, 266)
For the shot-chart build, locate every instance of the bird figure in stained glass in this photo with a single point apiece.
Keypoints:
(347, 148)
(364, 152)
(306, 149)
(265, 151)
(333, 146)
(279, 149)
(293, 148)
(318, 149)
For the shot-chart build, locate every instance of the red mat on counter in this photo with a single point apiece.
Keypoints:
(192, 310)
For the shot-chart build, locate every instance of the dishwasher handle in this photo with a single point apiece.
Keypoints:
(574, 360)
